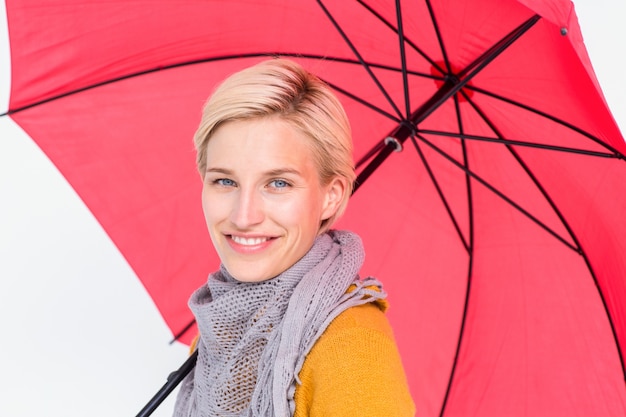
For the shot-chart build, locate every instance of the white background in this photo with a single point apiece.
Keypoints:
(78, 334)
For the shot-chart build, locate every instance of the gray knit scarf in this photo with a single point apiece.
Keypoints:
(254, 337)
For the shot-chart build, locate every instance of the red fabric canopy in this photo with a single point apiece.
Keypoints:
(498, 232)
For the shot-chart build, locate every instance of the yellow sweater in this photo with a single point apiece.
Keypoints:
(354, 370)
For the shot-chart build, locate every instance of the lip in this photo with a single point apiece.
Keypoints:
(249, 244)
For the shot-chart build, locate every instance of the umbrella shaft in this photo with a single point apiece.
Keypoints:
(173, 380)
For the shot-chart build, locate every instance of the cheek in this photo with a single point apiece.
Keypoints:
(205, 204)
(303, 212)
(212, 207)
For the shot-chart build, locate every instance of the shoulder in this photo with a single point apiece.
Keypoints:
(358, 334)
(354, 369)
(364, 318)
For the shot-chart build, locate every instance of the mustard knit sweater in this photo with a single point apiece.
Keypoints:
(354, 370)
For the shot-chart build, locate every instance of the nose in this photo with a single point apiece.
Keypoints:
(247, 209)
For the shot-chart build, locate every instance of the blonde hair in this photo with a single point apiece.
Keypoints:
(282, 88)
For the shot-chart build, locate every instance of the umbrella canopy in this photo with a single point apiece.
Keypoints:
(496, 228)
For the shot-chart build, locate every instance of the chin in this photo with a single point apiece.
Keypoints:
(248, 276)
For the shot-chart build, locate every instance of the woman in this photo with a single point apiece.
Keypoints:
(286, 326)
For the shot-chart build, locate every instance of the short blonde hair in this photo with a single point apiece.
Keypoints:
(284, 89)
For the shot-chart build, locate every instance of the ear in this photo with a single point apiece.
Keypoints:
(333, 196)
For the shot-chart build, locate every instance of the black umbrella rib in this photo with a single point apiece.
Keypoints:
(403, 41)
(363, 101)
(184, 330)
(360, 58)
(470, 266)
(412, 44)
(443, 198)
(438, 188)
(442, 46)
(128, 76)
(405, 80)
(565, 224)
(525, 167)
(213, 59)
(615, 152)
(518, 143)
(140, 73)
(495, 191)
(369, 155)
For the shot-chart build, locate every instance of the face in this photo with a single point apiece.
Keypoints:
(262, 197)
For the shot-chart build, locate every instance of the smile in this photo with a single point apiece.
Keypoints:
(249, 241)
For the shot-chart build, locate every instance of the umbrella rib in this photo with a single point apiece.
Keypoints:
(184, 330)
(377, 148)
(580, 251)
(443, 198)
(444, 53)
(518, 143)
(470, 212)
(405, 80)
(565, 224)
(215, 59)
(408, 41)
(363, 102)
(525, 167)
(143, 72)
(360, 58)
(495, 191)
(616, 153)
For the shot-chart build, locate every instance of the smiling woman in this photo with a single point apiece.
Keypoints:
(286, 325)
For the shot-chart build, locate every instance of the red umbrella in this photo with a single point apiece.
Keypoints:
(496, 230)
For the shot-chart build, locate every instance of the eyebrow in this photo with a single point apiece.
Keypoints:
(271, 173)
(219, 171)
(282, 171)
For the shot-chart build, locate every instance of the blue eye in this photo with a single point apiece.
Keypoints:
(279, 184)
(225, 182)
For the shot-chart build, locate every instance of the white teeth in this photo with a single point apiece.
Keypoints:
(248, 241)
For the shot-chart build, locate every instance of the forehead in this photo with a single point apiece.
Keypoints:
(270, 143)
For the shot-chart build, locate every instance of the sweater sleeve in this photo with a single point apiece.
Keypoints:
(354, 369)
